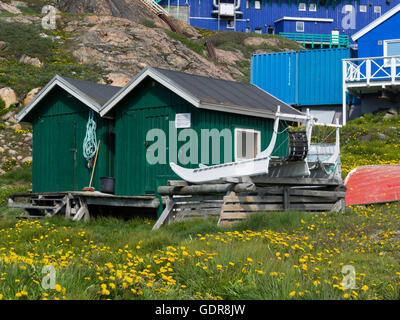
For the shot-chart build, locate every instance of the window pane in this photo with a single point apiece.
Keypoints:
(247, 144)
(393, 48)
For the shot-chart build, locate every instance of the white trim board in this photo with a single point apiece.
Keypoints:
(65, 85)
(376, 23)
(303, 19)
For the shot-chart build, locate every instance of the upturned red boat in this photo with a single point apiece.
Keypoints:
(373, 184)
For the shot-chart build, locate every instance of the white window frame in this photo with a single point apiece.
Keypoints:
(363, 6)
(248, 29)
(312, 7)
(348, 8)
(385, 52)
(258, 132)
(247, 4)
(257, 4)
(258, 30)
(302, 6)
(380, 9)
(299, 23)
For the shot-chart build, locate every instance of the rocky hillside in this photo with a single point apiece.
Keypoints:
(107, 41)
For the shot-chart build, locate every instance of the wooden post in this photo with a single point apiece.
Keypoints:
(164, 215)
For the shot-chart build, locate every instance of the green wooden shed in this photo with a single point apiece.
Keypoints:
(172, 102)
(59, 115)
(183, 109)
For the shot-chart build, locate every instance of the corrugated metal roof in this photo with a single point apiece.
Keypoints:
(101, 93)
(225, 92)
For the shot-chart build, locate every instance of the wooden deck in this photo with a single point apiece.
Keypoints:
(76, 204)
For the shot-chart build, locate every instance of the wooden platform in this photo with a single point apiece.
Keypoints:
(236, 198)
(74, 204)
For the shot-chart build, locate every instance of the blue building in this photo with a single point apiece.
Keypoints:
(308, 79)
(301, 20)
(375, 75)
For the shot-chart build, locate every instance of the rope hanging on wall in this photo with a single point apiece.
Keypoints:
(90, 141)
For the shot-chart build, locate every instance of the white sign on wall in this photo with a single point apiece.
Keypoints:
(182, 120)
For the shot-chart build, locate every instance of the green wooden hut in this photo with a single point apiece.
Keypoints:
(175, 101)
(59, 115)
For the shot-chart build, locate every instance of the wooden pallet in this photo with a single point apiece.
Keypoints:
(277, 198)
(235, 199)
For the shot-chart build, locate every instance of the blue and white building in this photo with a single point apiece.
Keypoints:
(375, 75)
(313, 22)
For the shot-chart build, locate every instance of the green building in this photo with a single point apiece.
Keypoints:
(158, 117)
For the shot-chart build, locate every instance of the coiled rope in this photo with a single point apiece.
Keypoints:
(90, 141)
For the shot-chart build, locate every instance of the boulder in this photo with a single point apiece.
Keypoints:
(257, 41)
(8, 95)
(118, 79)
(9, 8)
(31, 60)
(31, 94)
(3, 45)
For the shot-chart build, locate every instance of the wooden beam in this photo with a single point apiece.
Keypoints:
(164, 215)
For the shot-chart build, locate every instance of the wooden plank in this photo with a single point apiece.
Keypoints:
(276, 199)
(251, 207)
(294, 181)
(198, 206)
(164, 215)
(317, 193)
(206, 189)
(198, 198)
(83, 211)
(177, 183)
(203, 212)
(116, 202)
(312, 206)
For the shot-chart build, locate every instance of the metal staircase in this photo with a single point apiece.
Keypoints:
(155, 7)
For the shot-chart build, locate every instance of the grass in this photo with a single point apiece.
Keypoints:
(25, 39)
(288, 255)
(196, 47)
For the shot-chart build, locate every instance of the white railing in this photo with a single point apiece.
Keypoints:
(155, 7)
(371, 69)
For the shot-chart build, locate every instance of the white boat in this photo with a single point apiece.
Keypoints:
(321, 156)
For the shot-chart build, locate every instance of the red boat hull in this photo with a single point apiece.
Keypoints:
(373, 184)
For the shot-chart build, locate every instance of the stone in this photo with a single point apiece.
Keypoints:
(27, 159)
(8, 116)
(31, 94)
(12, 152)
(229, 56)
(257, 41)
(17, 126)
(31, 60)
(3, 45)
(9, 8)
(1, 150)
(381, 136)
(118, 79)
(19, 158)
(8, 95)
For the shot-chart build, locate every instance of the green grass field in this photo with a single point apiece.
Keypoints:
(290, 255)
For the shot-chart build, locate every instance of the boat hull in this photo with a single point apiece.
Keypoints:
(373, 184)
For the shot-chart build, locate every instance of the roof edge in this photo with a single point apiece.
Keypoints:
(148, 71)
(375, 23)
(65, 85)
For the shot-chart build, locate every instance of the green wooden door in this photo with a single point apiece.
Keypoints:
(156, 118)
(55, 163)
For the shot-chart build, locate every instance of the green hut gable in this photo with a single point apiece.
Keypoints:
(59, 117)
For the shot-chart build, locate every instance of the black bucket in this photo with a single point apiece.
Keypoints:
(107, 185)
